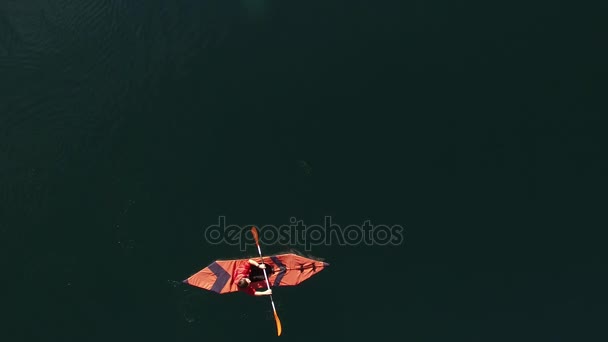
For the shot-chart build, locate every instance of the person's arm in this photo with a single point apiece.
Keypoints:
(255, 263)
(264, 293)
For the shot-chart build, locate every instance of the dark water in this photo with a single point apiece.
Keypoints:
(127, 127)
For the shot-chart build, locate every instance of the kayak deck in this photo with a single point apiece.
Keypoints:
(289, 270)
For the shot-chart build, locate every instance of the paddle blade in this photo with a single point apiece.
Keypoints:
(276, 319)
(254, 231)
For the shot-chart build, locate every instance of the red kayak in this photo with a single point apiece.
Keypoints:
(283, 270)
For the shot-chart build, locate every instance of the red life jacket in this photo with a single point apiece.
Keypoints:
(242, 271)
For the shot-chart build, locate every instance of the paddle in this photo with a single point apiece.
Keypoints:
(276, 317)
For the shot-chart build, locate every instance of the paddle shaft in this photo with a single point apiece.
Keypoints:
(265, 276)
(276, 317)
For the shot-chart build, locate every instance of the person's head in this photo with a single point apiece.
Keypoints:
(243, 283)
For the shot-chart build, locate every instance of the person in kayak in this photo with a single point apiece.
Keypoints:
(244, 275)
